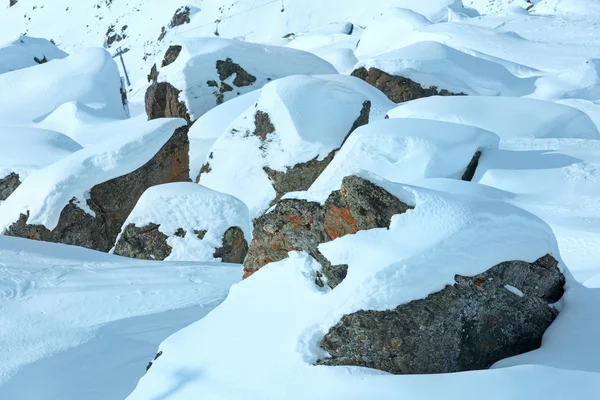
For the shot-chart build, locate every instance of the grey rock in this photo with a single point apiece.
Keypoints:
(181, 16)
(228, 68)
(397, 88)
(472, 167)
(302, 225)
(145, 242)
(467, 326)
(162, 101)
(8, 185)
(112, 201)
(171, 55)
(235, 246)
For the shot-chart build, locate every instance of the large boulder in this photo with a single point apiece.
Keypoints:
(466, 326)
(205, 72)
(285, 140)
(186, 222)
(301, 225)
(85, 198)
(427, 69)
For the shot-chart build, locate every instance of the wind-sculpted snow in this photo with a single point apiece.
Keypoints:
(507, 117)
(405, 150)
(26, 52)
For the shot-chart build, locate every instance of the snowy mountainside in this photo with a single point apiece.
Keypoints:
(286, 199)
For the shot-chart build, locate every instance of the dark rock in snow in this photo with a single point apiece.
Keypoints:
(171, 55)
(227, 68)
(145, 242)
(235, 246)
(472, 167)
(397, 88)
(467, 326)
(162, 101)
(181, 16)
(8, 184)
(112, 201)
(302, 225)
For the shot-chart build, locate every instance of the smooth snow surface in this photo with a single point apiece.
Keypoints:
(311, 116)
(507, 117)
(27, 149)
(405, 150)
(22, 52)
(193, 208)
(61, 305)
(46, 192)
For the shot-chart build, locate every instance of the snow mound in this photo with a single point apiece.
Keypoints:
(190, 207)
(195, 71)
(437, 10)
(405, 150)
(24, 150)
(435, 64)
(285, 314)
(528, 118)
(581, 82)
(91, 78)
(22, 52)
(47, 191)
(311, 117)
(211, 125)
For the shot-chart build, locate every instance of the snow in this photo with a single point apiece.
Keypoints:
(528, 118)
(25, 150)
(90, 77)
(419, 254)
(434, 64)
(312, 116)
(47, 191)
(207, 129)
(62, 306)
(21, 53)
(193, 208)
(406, 150)
(514, 290)
(196, 65)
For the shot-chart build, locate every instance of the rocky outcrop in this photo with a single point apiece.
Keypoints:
(162, 101)
(148, 243)
(8, 184)
(181, 16)
(472, 167)
(170, 55)
(302, 225)
(397, 88)
(112, 201)
(302, 175)
(467, 326)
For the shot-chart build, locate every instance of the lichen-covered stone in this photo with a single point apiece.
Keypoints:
(235, 246)
(112, 201)
(8, 185)
(171, 55)
(467, 326)
(144, 242)
(302, 225)
(162, 101)
(397, 88)
(227, 68)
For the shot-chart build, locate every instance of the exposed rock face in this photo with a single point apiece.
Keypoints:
(148, 243)
(145, 242)
(397, 88)
(12, 2)
(227, 68)
(181, 16)
(112, 201)
(472, 167)
(171, 55)
(162, 101)
(235, 246)
(302, 225)
(153, 75)
(301, 176)
(467, 326)
(9, 184)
